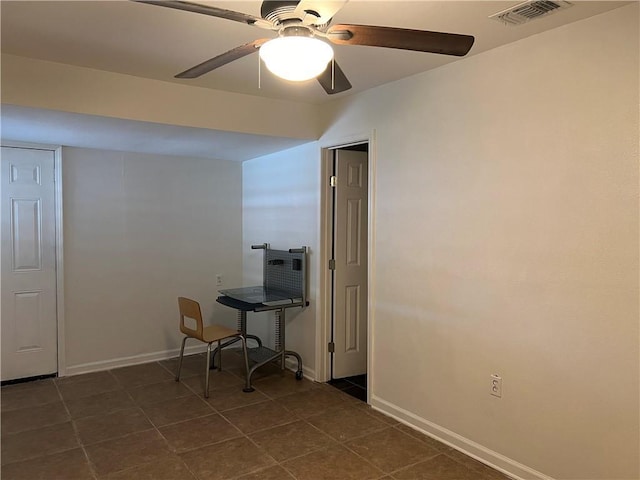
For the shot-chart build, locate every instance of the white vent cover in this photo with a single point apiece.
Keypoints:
(525, 11)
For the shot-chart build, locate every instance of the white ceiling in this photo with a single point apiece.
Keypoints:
(157, 43)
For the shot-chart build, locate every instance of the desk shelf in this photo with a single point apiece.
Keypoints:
(262, 354)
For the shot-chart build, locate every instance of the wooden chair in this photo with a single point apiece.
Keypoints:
(213, 333)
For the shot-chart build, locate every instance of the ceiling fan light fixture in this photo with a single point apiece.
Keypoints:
(296, 58)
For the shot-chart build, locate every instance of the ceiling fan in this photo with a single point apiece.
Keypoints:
(298, 53)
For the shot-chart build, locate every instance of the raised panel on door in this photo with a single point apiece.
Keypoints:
(26, 234)
(29, 322)
(27, 307)
(352, 319)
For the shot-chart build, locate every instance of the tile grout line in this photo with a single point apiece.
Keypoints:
(55, 452)
(307, 453)
(377, 431)
(280, 463)
(335, 443)
(392, 472)
(154, 427)
(296, 419)
(246, 435)
(76, 433)
(216, 412)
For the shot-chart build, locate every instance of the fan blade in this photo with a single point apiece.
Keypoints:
(318, 12)
(401, 38)
(333, 79)
(220, 60)
(211, 11)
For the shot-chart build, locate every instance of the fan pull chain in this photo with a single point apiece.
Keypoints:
(333, 73)
(259, 73)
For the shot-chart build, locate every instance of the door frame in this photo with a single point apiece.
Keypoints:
(59, 254)
(323, 326)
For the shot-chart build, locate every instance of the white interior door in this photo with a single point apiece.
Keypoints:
(350, 254)
(29, 323)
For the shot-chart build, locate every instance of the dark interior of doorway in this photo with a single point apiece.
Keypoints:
(355, 386)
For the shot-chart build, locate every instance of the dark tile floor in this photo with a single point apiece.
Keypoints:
(138, 423)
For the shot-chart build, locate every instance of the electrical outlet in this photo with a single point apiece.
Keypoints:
(219, 280)
(496, 385)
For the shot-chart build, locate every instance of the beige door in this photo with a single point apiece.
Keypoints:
(29, 323)
(350, 254)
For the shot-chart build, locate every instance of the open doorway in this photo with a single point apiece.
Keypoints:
(348, 269)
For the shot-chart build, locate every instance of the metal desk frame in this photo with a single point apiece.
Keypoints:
(276, 275)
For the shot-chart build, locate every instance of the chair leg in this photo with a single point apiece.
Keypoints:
(184, 340)
(219, 357)
(206, 372)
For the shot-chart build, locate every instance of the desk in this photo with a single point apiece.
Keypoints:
(284, 286)
(261, 354)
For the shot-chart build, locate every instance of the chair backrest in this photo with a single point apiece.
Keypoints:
(191, 309)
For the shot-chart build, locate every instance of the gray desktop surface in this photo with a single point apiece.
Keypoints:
(259, 294)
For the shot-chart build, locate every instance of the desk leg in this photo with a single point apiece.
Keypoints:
(242, 327)
(242, 322)
(281, 342)
(280, 326)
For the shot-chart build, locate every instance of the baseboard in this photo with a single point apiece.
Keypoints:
(290, 363)
(133, 360)
(493, 459)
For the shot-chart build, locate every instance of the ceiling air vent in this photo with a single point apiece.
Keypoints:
(525, 11)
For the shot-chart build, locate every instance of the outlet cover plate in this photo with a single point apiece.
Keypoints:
(496, 385)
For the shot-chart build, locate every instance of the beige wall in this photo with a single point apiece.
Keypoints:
(506, 241)
(140, 230)
(55, 86)
(279, 206)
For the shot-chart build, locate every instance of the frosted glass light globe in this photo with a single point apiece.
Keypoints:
(296, 58)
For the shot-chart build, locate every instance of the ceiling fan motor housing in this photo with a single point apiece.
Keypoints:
(277, 11)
